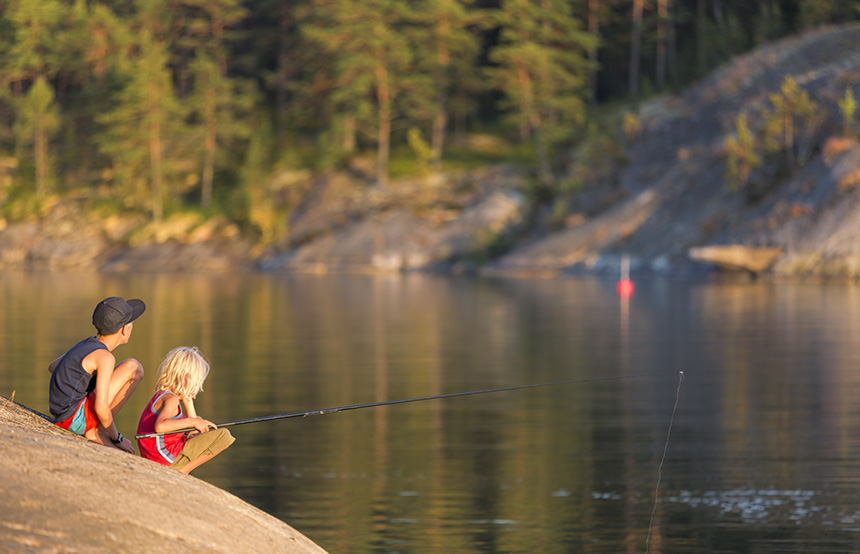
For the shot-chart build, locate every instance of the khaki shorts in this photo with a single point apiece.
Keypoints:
(208, 443)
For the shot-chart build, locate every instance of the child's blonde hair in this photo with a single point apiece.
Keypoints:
(182, 372)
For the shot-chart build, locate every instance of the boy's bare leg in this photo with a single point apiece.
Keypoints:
(126, 377)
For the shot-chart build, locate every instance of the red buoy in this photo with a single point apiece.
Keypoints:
(625, 287)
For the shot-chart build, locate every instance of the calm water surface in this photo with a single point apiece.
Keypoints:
(762, 455)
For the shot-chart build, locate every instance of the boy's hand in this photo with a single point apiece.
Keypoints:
(125, 445)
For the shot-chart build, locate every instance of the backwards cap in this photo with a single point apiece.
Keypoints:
(114, 312)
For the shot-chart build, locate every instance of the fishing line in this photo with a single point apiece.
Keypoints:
(663, 459)
(392, 402)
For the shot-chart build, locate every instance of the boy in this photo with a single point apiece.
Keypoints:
(87, 387)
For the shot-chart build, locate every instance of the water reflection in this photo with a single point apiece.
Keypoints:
(764, 448)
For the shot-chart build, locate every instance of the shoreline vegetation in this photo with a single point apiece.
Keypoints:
(750, 168)
(110, 501)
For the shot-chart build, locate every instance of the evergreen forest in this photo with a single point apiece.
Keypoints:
(155, 106)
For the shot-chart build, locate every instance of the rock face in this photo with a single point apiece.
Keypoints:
(413, 225)
(62, 493)
(672, 194)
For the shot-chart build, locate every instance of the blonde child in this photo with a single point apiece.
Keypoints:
(180, 378)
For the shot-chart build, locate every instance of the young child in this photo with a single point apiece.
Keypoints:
(180, 378)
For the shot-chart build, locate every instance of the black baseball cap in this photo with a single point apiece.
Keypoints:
(114, 312)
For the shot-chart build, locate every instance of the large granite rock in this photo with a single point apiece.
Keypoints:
(62, 493)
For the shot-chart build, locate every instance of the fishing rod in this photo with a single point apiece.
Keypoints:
(392, 402)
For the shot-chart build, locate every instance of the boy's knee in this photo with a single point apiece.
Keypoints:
(134, 368)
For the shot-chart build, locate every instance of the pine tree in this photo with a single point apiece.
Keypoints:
(449, 45)
(542, 71)
(145, 125)
(31, 52)
(791, 126)
(216, 107)
(37, 124)
(742, 154)
(370, 58)
(636, 48)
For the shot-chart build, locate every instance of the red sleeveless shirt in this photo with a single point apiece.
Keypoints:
(162, 449)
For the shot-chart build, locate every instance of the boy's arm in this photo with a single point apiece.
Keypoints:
(103, 362)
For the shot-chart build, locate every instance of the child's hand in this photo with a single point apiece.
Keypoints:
(202, 425)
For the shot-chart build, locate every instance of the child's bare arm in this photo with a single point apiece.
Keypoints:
(170, 408)
(190, 410)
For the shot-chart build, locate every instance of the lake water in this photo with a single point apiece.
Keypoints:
(763, 454)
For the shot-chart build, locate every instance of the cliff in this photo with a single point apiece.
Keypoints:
(62, 493)
(671, 195)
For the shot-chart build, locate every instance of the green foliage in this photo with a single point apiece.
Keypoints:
(821, 12)
(34, 52)
(143, 131)
(371, 57)
(36, 126)
(848, 108)
(598, 158)
(789, 126)
(541, 68)
(742, 155)
(631, 126)
(792, 123)
(152, 101)
(218, 109)
(420, 147)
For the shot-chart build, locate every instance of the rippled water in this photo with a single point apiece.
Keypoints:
(762, 456)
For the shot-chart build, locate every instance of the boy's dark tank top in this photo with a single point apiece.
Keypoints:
(70, 382)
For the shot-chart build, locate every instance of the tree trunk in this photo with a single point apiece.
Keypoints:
(157, 171)
(672, 53)
(283, 70)
(532, 119)
(701, 30)
(722, 28)
(440, 118)
(209, 147)
(544, 167)
(40, 147)
(383, 98)
(349, 133)
(155, 158)
(594, 31)
(662, 39)
(17, 93)
(789, 135)
(635, 48)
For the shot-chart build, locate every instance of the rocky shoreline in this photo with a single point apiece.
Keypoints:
(62, 493)
(663, 207)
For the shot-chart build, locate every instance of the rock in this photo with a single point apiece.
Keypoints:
(736, 256)
(397, 236)
(63, 493)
